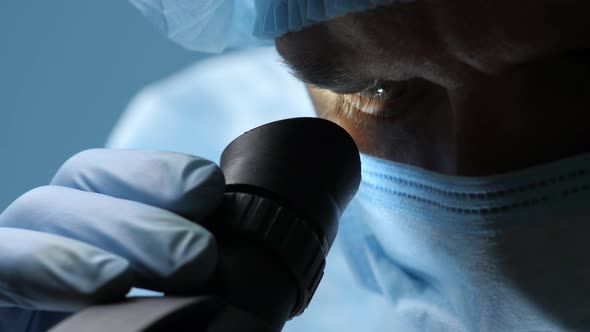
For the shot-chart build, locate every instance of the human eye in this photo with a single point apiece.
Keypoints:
(383, 99)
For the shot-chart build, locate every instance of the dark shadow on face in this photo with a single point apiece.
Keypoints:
(500, 85)
(493, 86)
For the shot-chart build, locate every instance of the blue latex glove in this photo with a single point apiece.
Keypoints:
(110, 220)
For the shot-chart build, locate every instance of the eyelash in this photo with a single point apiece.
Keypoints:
(353, 106)
(356, 106)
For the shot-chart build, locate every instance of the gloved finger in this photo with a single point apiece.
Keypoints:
(40, 271)
(166, 252)
(181, 183)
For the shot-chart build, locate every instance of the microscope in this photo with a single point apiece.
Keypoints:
(287, 184)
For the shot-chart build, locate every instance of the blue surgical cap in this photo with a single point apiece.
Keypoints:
(216, 25)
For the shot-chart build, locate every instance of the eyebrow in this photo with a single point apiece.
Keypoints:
(325, 74)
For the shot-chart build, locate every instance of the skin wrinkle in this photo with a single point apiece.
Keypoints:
(501, 88)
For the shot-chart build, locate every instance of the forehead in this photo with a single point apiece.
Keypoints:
(447, 42)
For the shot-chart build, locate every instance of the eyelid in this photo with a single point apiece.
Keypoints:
(349, 107)
(374, 103)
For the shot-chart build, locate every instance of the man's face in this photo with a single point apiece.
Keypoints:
(470, 87)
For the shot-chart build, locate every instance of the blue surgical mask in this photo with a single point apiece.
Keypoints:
(509, 252)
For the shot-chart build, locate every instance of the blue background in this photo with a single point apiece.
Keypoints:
(67, 70)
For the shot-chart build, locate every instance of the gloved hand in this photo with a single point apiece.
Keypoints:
(110, 220)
